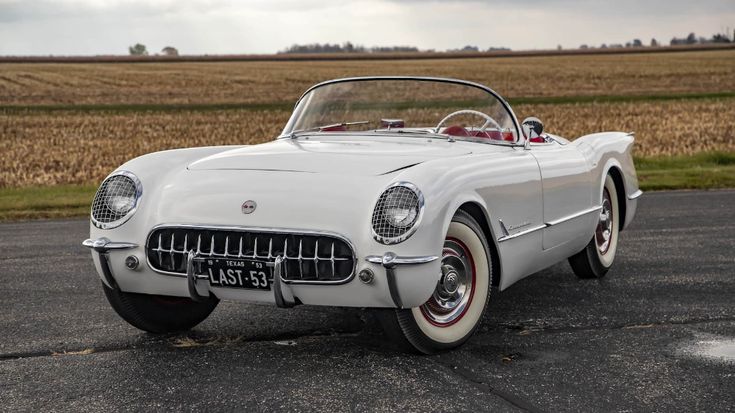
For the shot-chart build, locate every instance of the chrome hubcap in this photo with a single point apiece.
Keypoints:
(454, 289)
(605, 224)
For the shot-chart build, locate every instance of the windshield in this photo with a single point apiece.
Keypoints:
(410, 106)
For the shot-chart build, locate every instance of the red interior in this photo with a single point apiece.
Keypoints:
(456, 130)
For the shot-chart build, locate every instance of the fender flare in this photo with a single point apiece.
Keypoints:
(473, 198)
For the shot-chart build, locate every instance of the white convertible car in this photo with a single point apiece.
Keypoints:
(410, 196)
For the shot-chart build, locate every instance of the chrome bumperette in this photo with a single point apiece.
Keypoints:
(103, 246)
(199, 246)
(635, 195)
(390, 261)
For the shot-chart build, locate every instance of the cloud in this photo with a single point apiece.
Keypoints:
(263, 26)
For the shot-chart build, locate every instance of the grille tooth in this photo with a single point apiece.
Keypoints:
(334, 263)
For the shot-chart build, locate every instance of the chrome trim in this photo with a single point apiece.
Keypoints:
(262, 230)
(575, 215)
(192, 277)
(414, 227)
(102, 247)
(282, 300)
(520, 233)
(548, 224)
(103, 244)
(482, 87)
(119, 222)
(390, 259)
(635, 195)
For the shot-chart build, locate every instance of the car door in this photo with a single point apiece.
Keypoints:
(567, 192)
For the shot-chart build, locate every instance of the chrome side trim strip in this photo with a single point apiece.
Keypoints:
(575, 215)
(548, 224)
(635, 195)
(524, 232)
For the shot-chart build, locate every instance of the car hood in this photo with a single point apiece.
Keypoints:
(339, 155)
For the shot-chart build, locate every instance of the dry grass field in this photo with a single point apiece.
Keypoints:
(266, 82)
(71, 124)
(79, 147)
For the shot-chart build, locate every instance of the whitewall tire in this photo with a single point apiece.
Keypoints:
(597, 257)
(456, 309)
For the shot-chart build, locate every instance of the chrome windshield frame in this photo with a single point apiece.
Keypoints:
(520, 137)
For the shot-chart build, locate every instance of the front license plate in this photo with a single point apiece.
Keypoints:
(233, 273)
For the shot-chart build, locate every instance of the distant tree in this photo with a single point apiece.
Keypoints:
(584, 46)
(720, 38)
(170, 51)
(603, 46)
(558, 47)
(637, 43)
(138, 50)
(654, 43)
(691, 39)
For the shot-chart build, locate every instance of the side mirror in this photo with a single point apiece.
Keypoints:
(532, 127)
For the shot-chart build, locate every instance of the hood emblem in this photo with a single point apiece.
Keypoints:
(248, 207)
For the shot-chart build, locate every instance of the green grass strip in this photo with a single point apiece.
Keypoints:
(288, 106)
(45, 202)
(701, 171)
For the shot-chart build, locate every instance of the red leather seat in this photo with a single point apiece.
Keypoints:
(494, 135)
(455, 130)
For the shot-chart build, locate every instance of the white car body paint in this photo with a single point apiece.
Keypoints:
(546, 195)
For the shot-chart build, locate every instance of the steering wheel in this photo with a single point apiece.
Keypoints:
(488, 119)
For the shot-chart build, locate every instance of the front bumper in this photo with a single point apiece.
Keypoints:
(400, 281)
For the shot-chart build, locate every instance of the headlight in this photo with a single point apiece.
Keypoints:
(116, 200)
(397, 213)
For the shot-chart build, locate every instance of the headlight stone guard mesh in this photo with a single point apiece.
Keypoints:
(399, 196)
(114, 186)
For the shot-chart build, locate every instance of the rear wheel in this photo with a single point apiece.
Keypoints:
(158, 313)
(597, 257)
(457, 306)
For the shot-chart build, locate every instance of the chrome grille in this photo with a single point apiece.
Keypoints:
(306, 257)
(395, 197)
(115, 199)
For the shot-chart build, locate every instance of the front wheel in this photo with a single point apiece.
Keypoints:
(157, 313)
(597, 257)
(456, 308)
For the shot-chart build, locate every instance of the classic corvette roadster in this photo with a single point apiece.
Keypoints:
(414, 197)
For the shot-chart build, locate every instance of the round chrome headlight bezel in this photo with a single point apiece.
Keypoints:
(384, 228)
(103, 215)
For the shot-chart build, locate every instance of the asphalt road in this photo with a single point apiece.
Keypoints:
(657, 334)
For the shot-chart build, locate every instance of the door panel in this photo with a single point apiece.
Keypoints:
(567, 190)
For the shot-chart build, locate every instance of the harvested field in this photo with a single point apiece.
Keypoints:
(267, 82)
(80, 147)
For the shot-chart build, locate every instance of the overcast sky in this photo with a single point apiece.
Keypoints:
(89, 27)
